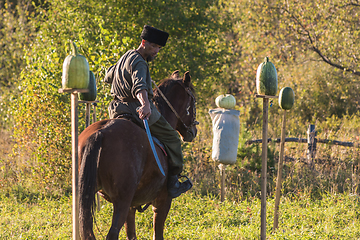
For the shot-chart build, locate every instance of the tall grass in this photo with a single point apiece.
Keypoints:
(319, 202)
(27, 215)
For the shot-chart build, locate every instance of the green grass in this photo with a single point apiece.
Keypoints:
(191, 217)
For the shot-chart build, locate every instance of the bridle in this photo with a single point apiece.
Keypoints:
(188, 90)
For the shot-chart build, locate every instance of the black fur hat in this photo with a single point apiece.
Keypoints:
(154, 35)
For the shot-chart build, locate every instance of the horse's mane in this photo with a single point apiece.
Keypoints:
(166, 85)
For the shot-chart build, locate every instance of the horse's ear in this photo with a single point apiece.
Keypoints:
(175, 74)
(187, 79)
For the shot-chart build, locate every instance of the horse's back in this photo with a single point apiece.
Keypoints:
(113, 130)
(126, 161)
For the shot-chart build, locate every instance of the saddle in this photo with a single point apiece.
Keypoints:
(130, 117)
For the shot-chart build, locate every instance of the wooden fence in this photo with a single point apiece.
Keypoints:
(311, 140)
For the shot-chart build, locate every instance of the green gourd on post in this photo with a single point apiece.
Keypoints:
(286, 98)
(75, 73)
(266, 78)
(91, 95)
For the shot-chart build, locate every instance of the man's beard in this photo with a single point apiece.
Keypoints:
(150, 58)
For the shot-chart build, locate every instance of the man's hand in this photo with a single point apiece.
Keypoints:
(144, 110)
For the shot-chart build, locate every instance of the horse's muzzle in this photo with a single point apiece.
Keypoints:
(190, 134)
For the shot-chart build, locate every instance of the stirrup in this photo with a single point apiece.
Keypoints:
(183, 176)
(179, 187)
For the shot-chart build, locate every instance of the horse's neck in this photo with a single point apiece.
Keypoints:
(163, 105)
(169, 114)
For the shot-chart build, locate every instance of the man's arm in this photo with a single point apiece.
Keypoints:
(144, 110)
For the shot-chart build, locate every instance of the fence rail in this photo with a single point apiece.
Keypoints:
(311, 140)
(304, 140)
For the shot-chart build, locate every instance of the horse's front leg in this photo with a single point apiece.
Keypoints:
(161, 209)
(130, 225)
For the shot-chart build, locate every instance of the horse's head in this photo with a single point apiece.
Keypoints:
(178, 106)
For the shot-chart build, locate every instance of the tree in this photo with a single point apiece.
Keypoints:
(103, 31)
(307, 41)
(329, 28)
(16, 31)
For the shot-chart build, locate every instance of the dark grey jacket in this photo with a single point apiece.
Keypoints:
(128, 77)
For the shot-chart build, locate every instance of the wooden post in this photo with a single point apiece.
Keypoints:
(264, 167)
(87, 114)
(222, 168)
(94, 112)
(88, 110)
(94, 120)
(75, 164)
(279, 175)
(87, 123)
(264, 163)
(311, 139)
(75, 160)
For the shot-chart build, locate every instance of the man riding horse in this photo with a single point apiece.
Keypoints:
(132, 91)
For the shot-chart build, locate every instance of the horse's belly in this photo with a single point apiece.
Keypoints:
(149, 191)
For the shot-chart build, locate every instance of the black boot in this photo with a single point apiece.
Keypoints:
(176, 188)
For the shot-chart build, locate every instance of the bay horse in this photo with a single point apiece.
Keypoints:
(116, 161)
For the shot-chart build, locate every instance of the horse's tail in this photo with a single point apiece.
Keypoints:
(87, 184)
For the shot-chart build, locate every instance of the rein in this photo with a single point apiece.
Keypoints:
(194, 122)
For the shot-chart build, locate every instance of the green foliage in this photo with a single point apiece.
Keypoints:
(312, 45)
(325, 94)
(330, 29)
(252, 157)
(15, 31)
(103, 31)
(301, 40)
